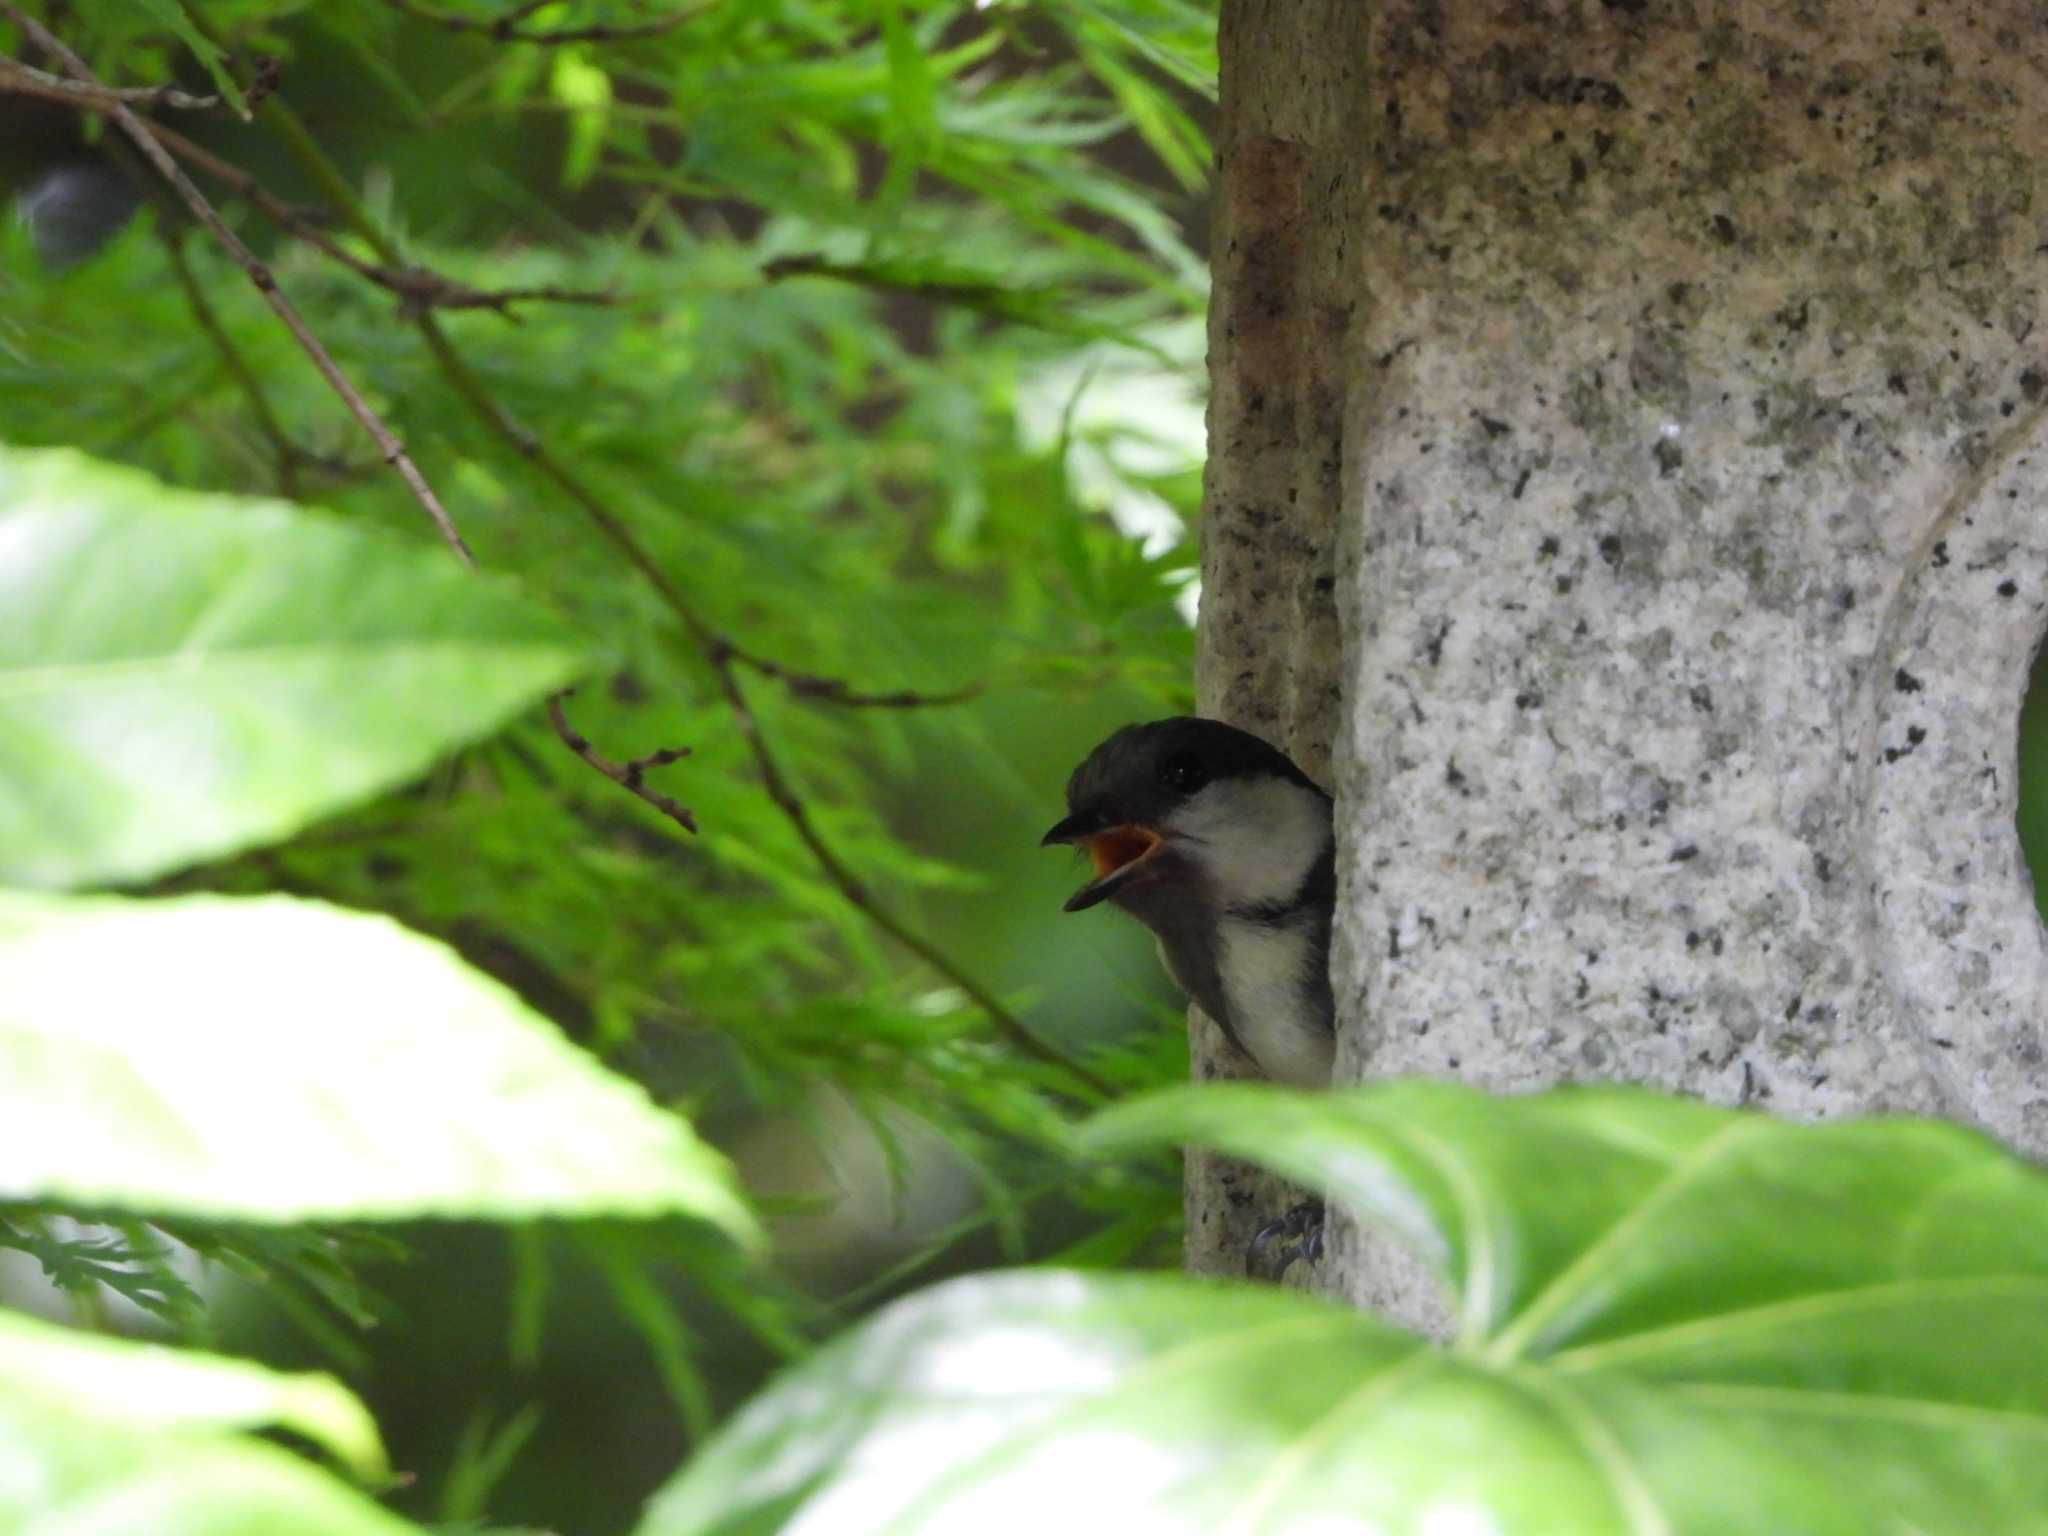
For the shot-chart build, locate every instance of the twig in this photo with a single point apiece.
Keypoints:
(283, 450)
(809, 685)
(722, 662)
(417, 288)
(506, 28)
(421, 289)
(432, 291)
(719, 655)
(1038, 307)
(723, 665)
(388, 444)
(269, 76)
(971, 292)
(831, 690)
(27, 80)
(630, 775)
(520, 12)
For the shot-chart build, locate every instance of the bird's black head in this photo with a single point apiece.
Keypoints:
(1173, 795)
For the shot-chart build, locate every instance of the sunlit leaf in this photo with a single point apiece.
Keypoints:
(831, 472)
(100, 1435)
(184, 675)
(279, 1060)
(67, 1474)
(151, 1386)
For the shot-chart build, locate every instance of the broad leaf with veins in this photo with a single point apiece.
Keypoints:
(279, 1060)
(106, 1435)
(1670, 1318)
(187, 675)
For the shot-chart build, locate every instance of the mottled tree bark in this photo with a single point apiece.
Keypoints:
(1690, 553)
(1282, 354)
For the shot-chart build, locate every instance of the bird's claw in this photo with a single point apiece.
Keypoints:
(1302, 1231)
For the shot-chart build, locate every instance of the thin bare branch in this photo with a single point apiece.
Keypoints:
(724, 666)
(833, 690)
(629, 775)
(27, 80)
(417, 288)
(506, 29)
(521, 11)
(158, 144)
(721, 660)
(268, 77)
(388, 445)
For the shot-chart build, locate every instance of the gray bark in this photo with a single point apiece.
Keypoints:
(1281, 324)
(1689, 556)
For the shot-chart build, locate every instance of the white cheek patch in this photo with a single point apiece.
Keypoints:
(1256, 839)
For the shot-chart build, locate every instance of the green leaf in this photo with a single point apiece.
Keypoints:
(279, 1060)
(184, 675)
(1672, 1318)
(102, 1435)
(149, 1386)
(66, 1474)
(586, 90)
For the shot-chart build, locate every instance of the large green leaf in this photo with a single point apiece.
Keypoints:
(66, 1474)
(151, 1387)
(184, 675)
(280, 1060)
(99, 1436)
(1672, 1318)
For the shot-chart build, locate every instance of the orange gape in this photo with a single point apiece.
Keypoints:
(1119, 846)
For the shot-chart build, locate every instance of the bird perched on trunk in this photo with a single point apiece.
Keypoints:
(1224, 848)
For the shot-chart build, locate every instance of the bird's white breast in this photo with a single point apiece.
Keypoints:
(1261, 968)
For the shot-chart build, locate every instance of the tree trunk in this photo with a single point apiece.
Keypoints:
(1688, 561)
(1281, 346)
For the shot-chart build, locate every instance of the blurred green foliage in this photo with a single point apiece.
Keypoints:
(893, 372)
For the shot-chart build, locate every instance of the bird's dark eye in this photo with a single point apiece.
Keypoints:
(1183, 773)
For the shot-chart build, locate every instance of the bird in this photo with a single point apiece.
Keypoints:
(1217, 842)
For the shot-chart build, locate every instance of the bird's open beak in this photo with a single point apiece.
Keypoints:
(1119, 853)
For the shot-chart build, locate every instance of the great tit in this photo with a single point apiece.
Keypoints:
(1224, 848)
